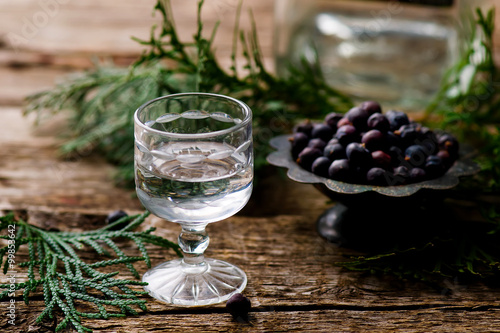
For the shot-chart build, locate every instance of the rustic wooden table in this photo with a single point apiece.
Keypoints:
(292, 280)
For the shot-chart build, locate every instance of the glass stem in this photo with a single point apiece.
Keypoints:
(193, 241)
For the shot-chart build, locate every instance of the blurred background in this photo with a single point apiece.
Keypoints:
(60, 36)
(356, 42)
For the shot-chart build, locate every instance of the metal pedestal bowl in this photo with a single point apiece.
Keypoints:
(368, 216)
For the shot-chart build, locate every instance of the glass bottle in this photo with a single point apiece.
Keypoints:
(394, 52)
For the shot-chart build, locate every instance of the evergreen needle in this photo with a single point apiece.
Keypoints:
(68, 281)
(101, 102)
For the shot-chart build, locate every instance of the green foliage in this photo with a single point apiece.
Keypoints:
(100, 103)
(469, 100)
(67, 281)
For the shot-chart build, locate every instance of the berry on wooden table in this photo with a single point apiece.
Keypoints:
(239, 306)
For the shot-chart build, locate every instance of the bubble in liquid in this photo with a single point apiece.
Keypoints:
(168, 117)
(195, 114)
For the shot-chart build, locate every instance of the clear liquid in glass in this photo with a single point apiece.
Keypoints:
(194, 182)
(193, 166)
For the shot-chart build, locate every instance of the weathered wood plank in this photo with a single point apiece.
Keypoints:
(62, 26)
(18, 83)
(106, 27)
(276, 319)
(293, 285)
(31, 62)
(321, 321)
(288, 264)
(33, 175)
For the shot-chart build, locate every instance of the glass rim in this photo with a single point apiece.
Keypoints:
(243, 123)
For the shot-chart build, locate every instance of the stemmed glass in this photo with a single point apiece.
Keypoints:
(193, 166)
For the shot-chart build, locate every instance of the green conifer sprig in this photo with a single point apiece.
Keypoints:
(100, 102)
(67, 280)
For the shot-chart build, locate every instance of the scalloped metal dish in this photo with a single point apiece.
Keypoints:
(282, 158)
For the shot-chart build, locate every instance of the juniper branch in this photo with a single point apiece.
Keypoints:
(101, 102)
(53, 262)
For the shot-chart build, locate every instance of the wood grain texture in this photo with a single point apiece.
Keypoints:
(275, 319)
(294, 284)
(35, 53)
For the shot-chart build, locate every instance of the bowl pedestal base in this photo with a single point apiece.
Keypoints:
(379, 227)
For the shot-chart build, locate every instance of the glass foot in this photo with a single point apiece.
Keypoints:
(174, 282)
